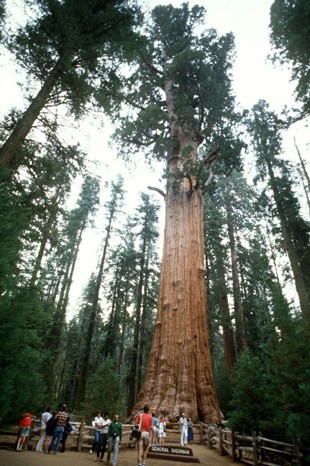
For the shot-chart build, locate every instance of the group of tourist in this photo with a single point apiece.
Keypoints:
(109, 433)
(55, 428)
(153, 430)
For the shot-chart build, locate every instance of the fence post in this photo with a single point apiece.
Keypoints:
(233, 447)
(297, 453)
(209, 434)
(254, 445)
(80, 437)
(221, 441)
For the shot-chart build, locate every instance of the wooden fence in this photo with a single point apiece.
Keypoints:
(255, 450)
(82, 436)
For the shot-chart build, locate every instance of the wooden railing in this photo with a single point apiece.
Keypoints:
(82, 436)
(255, 450)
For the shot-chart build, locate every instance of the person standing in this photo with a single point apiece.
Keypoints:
(161, 430)
(145, 422)
(24, 431)
(68, 428)
(114, 438)
(190, 436)
(153, 433)
(61, 418)
(183, 429)
(103, 437)
(97, 425)
(44, 419)
(50, 427)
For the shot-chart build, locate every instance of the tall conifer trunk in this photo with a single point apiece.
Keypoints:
(11, 148)
(179, 376)
(183, 82)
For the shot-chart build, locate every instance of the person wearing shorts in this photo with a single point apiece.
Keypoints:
(161, 430)
(24, 432)
(145, 420)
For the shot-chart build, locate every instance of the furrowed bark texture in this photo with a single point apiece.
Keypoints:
(179, 377)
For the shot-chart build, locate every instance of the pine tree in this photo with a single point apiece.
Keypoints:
(67, 255)
(265, 128)
(113, 207)
(73, 48)
(146, 218)
(290, 35)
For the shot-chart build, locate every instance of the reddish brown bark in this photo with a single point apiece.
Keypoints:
(179, 377)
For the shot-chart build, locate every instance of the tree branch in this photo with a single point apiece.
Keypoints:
(152, 188)
(212, 156)
(152, 67)
(209, 177)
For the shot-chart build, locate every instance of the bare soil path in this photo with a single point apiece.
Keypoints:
(126, 458)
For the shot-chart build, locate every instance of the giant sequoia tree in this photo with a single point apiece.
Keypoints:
(181, 91)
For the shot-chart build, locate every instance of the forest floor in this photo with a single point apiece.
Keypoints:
(126, 458)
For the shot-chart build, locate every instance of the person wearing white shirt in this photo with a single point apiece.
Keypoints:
(44, 418)
(103, 439)
(183, 429)
(97, 427)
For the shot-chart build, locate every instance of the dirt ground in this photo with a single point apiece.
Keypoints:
(126, 458)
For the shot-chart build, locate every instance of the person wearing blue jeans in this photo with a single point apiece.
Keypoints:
(103, 437)
(97, 422)
(61, 419)
(57, 435)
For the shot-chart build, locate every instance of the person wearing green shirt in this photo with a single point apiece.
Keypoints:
(114, 438)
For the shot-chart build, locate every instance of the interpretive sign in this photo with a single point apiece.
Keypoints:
(173, 453)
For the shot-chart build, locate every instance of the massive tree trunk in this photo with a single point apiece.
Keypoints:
(179, 376)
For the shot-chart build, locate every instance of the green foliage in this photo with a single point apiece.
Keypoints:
(223, 384)
(251, 404)
(15, 216)
(180, 74)
(104, 391)
(281, 204)
(84, 41)
(22, 324)
(290, 35)
(288, 366)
